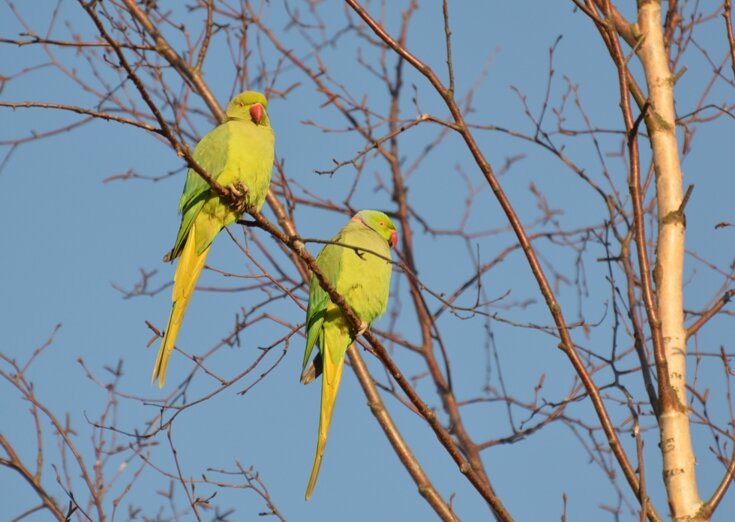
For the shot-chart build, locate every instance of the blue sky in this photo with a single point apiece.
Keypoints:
(70, 237)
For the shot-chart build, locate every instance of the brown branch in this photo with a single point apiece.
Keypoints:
(730, 37)
(376, 144)
(619, 23)
(81, 110)
(225, 194)
(194, 76)
(37, 40)
(192, 501)
(426, 320)
(164, 49)
(639, 337)
(448, 43)
(261, 490)
(711, 505)
(555, 309)
(711, 312)
(14, 462)
(64, 432)
(624, 28)
(207, 36)
(35, 136)
(406, 456)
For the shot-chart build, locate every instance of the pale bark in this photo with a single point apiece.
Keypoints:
(676, 446)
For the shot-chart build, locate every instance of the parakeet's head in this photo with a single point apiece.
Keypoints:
(249, 106)
(379, 222)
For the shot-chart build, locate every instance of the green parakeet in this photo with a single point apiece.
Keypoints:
(363, 279)
(239, 155)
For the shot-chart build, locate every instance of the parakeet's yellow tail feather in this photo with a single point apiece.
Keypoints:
(185, 280)
(331, 377)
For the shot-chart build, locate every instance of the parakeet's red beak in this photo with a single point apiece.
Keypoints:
(256, 113)
(393, 239)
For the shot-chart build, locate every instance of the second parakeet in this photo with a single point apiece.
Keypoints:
(238, 154)
(363, 279)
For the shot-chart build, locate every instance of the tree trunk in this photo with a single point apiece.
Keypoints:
(676, 446)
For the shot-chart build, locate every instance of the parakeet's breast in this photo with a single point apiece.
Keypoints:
(249, 159)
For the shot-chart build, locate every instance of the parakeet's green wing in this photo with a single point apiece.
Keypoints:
(329, 262)
(211, 154)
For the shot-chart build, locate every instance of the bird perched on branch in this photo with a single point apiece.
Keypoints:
(238, 155)
(357, 263)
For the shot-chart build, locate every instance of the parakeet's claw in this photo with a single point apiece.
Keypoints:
(238, 189)
(238, 197)
(363, 328)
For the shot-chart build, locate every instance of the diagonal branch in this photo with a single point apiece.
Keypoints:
(566, 343)
(710, 312)
(14, 462)
(426, 488)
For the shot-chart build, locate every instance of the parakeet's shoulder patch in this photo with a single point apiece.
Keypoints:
(211, 154)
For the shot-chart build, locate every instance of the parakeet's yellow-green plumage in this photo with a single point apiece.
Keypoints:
(238, 153)
(363, 279)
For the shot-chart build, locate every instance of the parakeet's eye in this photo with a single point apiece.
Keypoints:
(382, 224)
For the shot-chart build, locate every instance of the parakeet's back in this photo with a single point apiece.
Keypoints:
(364, 278)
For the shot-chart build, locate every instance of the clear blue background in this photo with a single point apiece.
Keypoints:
(68, 237)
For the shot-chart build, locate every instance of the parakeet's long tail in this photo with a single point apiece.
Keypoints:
(332, 375)
(185, 280)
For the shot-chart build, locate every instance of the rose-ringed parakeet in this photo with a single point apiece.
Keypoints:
(363, 279)
(238, 154)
